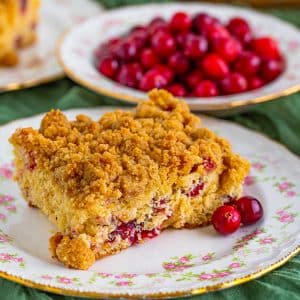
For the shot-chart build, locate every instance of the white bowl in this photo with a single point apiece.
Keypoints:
(76, 51)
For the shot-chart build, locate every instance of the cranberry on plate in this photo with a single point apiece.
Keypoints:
(191, 56)
(250, 209)
(215, 66)
(230, 216)
(226, 219)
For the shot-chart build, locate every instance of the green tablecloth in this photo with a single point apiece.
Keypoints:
(279, 120)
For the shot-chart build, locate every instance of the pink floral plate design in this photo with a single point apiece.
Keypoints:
(176, 263)
(77, 48)
(38, 63)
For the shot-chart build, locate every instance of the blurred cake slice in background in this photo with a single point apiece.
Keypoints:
(18, 21)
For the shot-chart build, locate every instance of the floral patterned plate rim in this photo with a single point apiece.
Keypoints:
(38, 63)
(76, 51)
(176, 263)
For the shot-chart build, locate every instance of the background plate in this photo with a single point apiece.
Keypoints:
(76, 51)
(38, 63)
(178, 262)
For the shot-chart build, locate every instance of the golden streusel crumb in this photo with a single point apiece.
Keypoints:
(150, 169)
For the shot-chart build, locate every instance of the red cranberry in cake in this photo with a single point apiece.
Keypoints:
(18, 22)
(23, 6)
(209, 164)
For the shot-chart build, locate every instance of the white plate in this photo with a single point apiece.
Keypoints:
(38, 63)
(178, 262)
(76, 51)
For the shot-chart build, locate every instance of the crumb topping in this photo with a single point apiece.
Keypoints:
(124, 153)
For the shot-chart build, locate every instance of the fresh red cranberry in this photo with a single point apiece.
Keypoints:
(109, 48)
(108, 66)
(195, 46)
(157, 24)
(181, 38)
(234, 83)
(140, 36)
(130, 75)
(209, 164)
(226, 219)
(140, 31)
(202, 21)
(216, 31)
(139, 42)
(228, 48)
(271, 69)
(240, 28)
(255, 83)
(165, 71)
(153, 79)
(180, 22)
(248, 64)
(215, 66)
(23, 6)
(156, 20)
(179, 63)
(194, 78)
(149, 58)
(196, 189)
(177, 90)
(250, 209)
(266, 47)
(206, 88)
(163, 43)
(127, 50)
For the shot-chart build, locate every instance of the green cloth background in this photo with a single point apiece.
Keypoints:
(278, 119)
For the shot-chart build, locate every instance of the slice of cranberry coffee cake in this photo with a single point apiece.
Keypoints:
(112, 183)
(18, 22)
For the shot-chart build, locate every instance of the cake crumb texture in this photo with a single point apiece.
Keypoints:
(147, 169)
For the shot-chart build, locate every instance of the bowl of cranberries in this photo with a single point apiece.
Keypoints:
(216, 57)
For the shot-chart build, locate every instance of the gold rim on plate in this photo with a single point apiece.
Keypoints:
(14, 86)
(186, 293)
